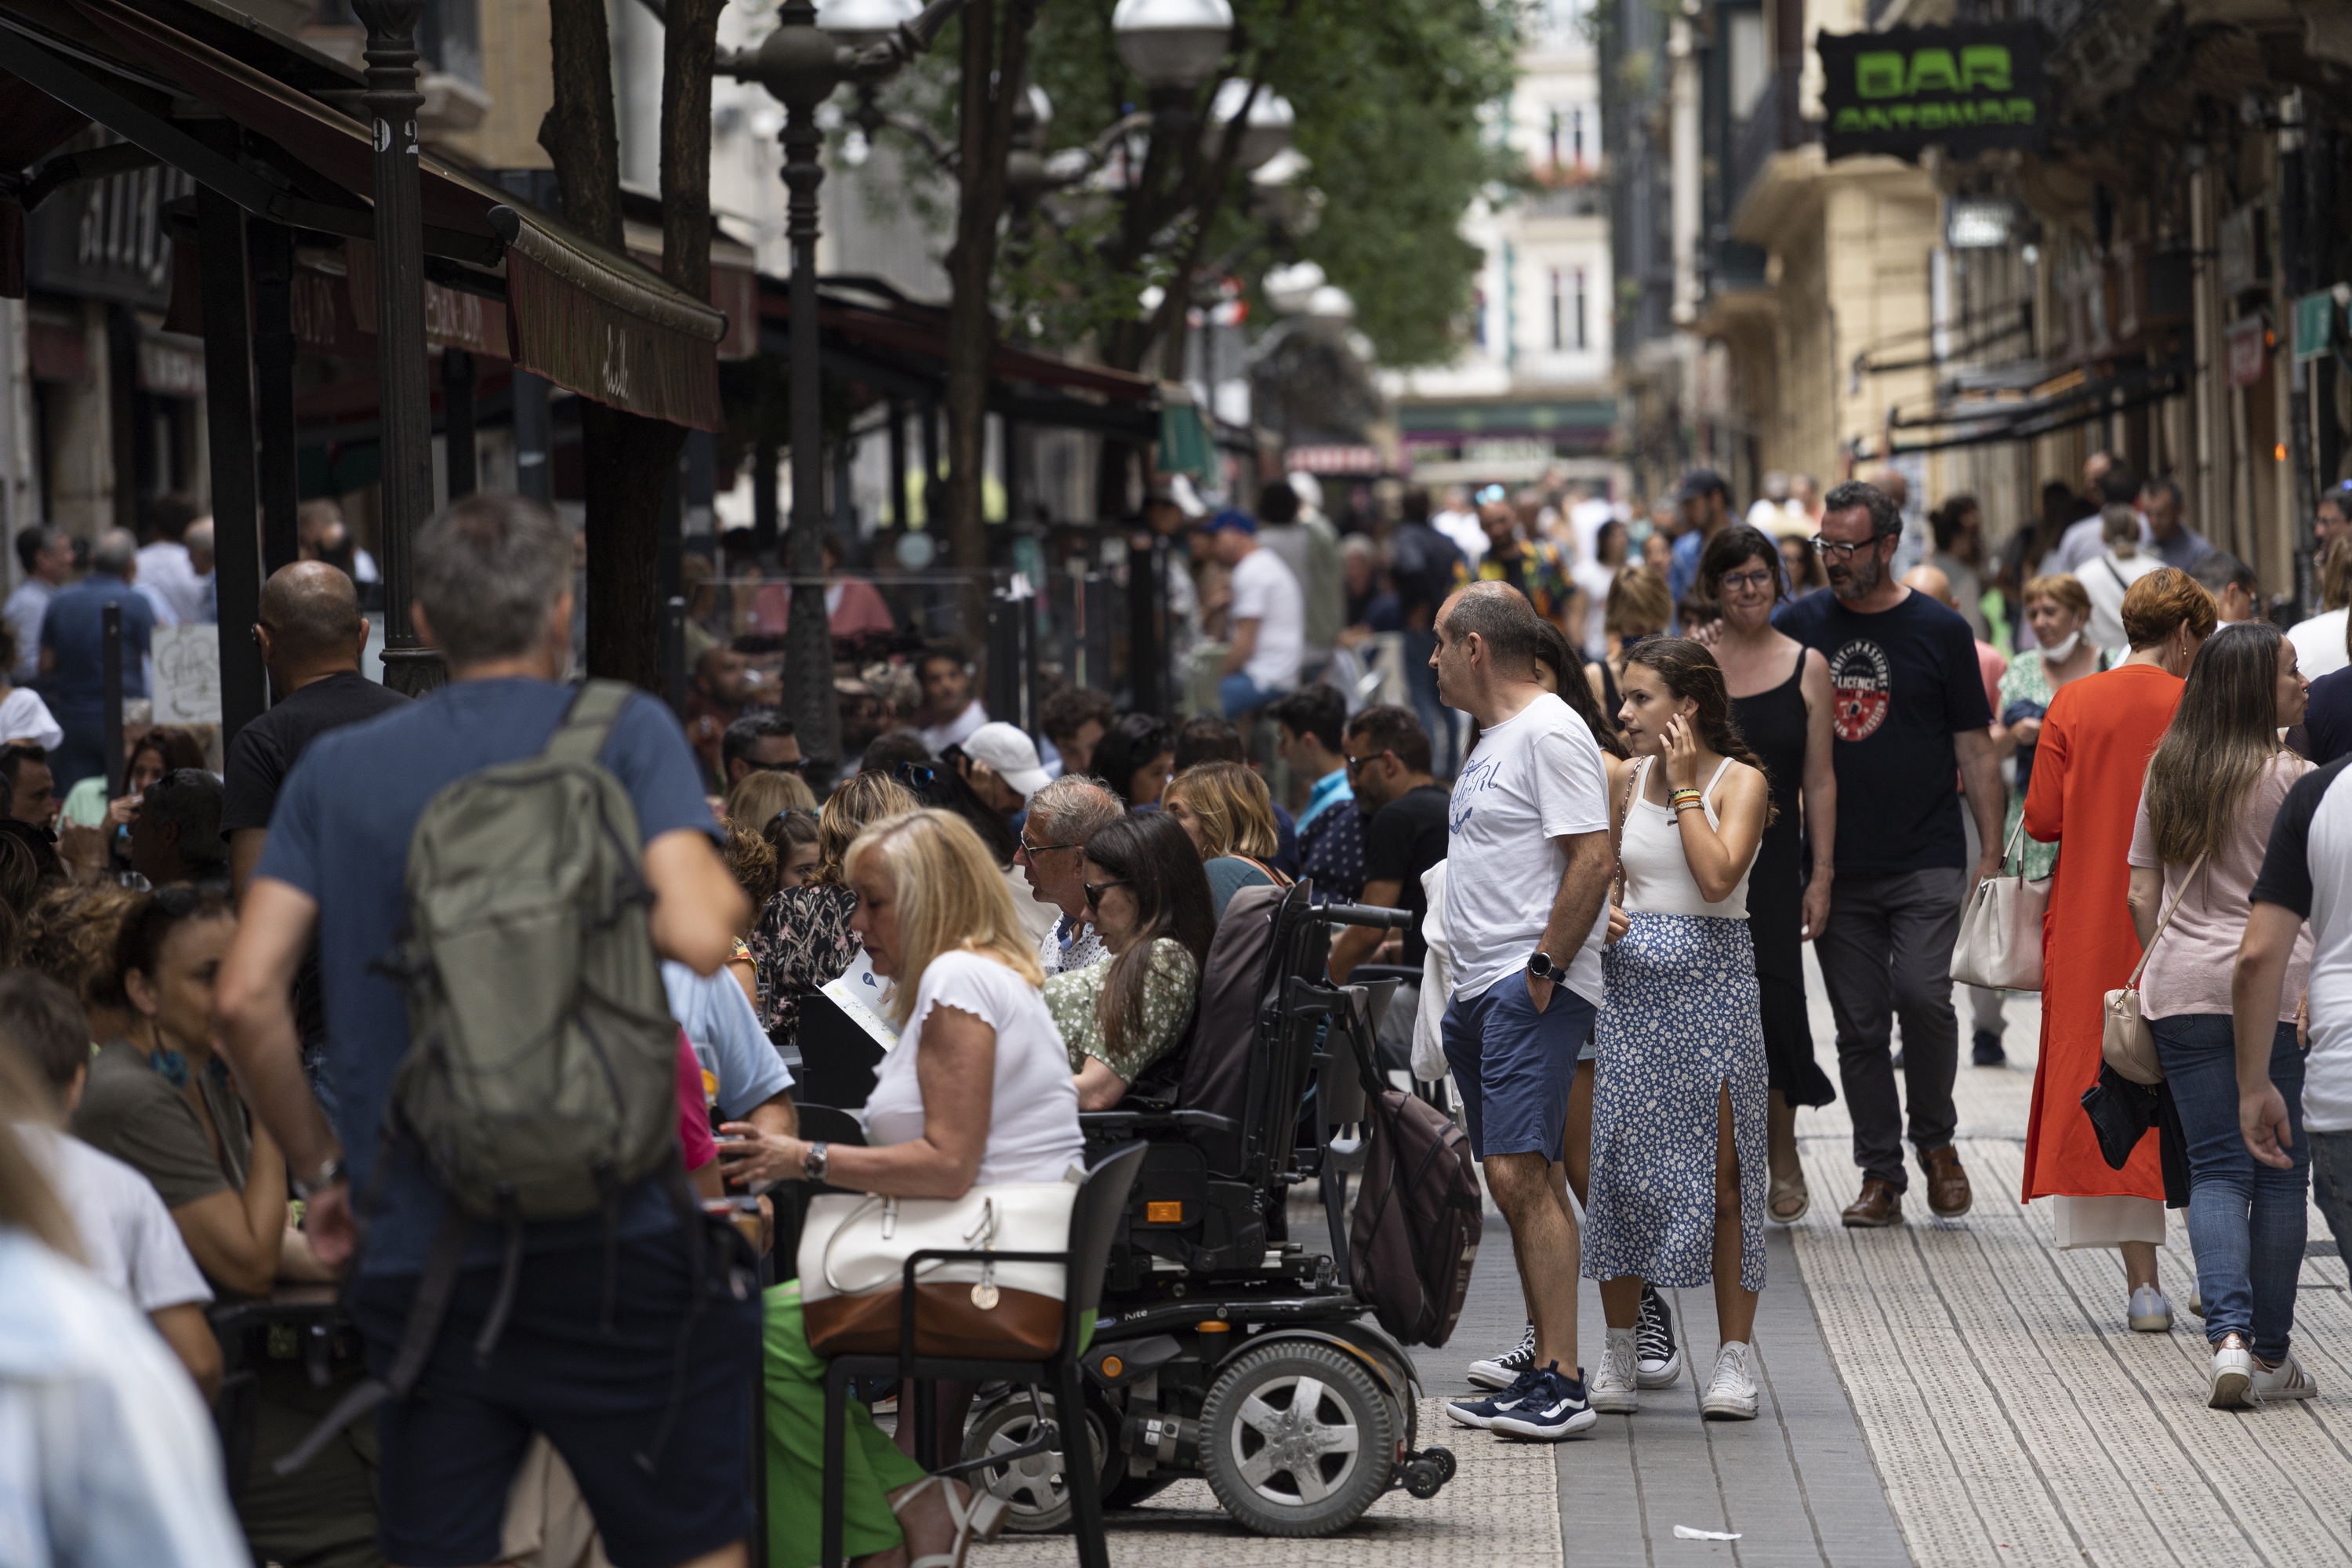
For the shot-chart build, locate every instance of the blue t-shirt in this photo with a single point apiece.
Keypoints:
(714, 1012)
(2327, 721)
(1902, 682)
(340, 834)
(75, 627)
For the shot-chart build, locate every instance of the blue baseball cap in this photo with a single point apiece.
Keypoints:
(1231, 518)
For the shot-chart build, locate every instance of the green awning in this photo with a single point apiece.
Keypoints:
(1184, 446)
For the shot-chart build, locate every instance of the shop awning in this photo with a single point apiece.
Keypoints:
(2072, 399)
(921, 330)
(591, 321)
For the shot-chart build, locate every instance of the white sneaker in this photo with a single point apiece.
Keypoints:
(2148, 1312)
(1731, 1393)
(2285, 1381)
(1615, 1385)
(2233, 1373)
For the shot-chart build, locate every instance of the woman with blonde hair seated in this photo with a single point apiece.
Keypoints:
(1224, 809)
(977, 1090)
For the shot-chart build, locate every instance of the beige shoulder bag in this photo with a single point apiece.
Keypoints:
(2125, 1043)
(2000, 928)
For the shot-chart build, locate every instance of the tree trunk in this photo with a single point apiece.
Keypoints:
(993, 77)
(626, 458)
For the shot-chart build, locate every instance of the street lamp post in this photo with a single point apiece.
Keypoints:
(799, 64)
(406, 442)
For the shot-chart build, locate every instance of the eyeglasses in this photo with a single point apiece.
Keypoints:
(1355, 763)
(1034, 850)
(914, 776)
(1095, 890)
(1757, 578)
(1824, 545)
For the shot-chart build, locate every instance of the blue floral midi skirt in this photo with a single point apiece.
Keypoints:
(1683, 1020)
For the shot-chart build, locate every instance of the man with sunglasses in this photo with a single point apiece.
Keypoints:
(1910, 722)
(761, 741)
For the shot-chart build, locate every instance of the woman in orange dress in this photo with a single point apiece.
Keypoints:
(2095, 745)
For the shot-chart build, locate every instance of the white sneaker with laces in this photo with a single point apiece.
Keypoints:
(1615, 1385)
(2285, 1381)
(1731, 1393)
(2233, 1373)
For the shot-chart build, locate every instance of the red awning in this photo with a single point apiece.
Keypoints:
(654, 345)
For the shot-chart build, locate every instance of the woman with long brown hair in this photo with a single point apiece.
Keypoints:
(2213, 789)
(1678, 1094)
(1150, 903)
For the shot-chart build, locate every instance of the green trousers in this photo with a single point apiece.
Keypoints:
(872, 1465)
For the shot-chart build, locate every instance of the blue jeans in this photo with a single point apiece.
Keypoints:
(1239, 695)
(2245, 1219)
(1435, 717)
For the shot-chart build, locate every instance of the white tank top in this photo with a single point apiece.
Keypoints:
(1658, 880)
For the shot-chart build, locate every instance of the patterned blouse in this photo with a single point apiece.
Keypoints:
(1167, 991)
(801, 942)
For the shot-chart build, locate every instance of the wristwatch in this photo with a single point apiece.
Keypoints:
(1543, 968)
(813, 1162)
(328, 1175)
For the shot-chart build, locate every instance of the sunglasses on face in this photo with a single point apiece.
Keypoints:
(1095, 890)
(914, 776)
(1355, 763)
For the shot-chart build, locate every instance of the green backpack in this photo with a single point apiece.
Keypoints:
(542, 1078)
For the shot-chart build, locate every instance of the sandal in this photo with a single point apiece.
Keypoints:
(981, 1520)
(1785, 1191)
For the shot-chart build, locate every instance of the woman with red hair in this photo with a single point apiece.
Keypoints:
(2092, 759)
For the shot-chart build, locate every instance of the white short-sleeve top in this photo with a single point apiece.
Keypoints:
(1033, 1130)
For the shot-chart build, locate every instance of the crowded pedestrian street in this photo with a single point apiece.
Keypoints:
(989, 784)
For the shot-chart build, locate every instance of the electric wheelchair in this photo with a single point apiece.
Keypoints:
(1225, 1348)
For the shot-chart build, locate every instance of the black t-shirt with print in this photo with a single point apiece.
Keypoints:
(1903, 681)
(1404, 838)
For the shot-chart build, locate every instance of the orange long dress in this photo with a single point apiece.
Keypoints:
(2087, 772)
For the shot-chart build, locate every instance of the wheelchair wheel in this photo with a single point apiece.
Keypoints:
(1036, 1488)
(1297, 1438)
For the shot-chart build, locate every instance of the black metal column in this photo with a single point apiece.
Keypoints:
(229, 428)
(272, 247)
(899, 464)
(808, 643)
(391, 101)
(534, 440)
(457, 371)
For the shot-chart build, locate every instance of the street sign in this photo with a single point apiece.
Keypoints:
(2314, 325)
(2244, 344)
(1967, 90)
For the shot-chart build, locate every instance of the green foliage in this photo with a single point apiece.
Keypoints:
(1388, 99)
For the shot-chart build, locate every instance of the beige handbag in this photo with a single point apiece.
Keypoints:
(2125, 1043)
(2000, 928)
(853, 1259)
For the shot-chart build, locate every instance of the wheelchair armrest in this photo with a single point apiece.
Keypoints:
(1153, 1120)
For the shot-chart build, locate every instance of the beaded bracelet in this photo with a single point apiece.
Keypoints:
(1683, 806)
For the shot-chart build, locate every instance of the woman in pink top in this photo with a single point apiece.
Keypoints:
(2213, 786)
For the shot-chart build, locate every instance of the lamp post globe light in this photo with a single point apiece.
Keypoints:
(1173, 45)
(1265, 133)
(860, 23)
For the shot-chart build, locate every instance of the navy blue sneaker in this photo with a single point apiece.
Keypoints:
(1482, 1413)
(1553, 1409)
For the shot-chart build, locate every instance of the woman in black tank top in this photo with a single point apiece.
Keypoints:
(1743, 572)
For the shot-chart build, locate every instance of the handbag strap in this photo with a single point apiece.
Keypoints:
(2157, 935)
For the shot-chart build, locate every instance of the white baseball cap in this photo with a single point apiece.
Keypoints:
(1011, 754)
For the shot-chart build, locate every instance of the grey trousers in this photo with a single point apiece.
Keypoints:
(1887, 948)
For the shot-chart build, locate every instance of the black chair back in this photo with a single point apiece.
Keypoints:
(1094, 1226)
(838, 1059)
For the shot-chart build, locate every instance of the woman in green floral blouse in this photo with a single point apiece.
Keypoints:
(1153, 910)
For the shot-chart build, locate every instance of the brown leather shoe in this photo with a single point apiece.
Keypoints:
(1880, 1206)
(1947, 1184)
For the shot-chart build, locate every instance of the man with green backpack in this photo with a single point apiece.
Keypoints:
(493, 875)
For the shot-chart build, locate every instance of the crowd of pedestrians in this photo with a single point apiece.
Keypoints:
(1634, 773)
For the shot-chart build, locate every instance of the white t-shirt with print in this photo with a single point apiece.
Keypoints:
(1266, 591)
(1533, 780)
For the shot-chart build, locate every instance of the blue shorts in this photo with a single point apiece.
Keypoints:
(1514, 1065)
(450, 1451)
(1239, 694)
